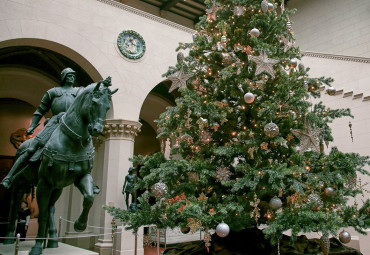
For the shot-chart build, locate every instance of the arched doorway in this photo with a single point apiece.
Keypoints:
(155, 104)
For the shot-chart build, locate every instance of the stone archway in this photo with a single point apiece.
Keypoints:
(154, 104)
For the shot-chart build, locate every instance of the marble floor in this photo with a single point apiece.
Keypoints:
(25, 247)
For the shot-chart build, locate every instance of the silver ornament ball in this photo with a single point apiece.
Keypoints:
(275, 203)
(270, 6)
(344, 237)
(222, 229)
(271, 130)
(255, 32)
(331, 91)
(329, 192)
(159, 189)
(249, 97)
(293, 63)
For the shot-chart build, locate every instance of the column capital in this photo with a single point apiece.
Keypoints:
(119, 129)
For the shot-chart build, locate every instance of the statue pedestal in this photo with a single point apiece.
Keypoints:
(104, 246)
(63, 249)
(84, 242)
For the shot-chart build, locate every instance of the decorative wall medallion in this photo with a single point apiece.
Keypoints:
(131, 44)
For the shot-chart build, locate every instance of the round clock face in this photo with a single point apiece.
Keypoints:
(131, 44)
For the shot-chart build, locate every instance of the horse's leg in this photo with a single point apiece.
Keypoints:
(53, 238)
(85, 185)
(17, 195)
(43, 195)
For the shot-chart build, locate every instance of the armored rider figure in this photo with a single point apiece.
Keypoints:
(58, 100)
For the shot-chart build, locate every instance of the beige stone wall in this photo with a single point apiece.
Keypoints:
(351, 82)
(90, 28)
(333, 26)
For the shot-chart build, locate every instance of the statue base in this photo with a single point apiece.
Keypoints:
(63, 249)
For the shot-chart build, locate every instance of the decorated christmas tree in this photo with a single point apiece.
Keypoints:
(247, 143)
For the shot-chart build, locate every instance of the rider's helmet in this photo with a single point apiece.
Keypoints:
(64, 73)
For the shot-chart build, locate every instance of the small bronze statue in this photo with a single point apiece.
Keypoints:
(129, 186)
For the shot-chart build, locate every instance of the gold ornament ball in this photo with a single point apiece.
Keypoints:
(255, 32)
(222, 229)
(331, 91)
(185, 230)
(329, 192)
(271, 130)
(159, 190)
(249, 97)
(344, 237)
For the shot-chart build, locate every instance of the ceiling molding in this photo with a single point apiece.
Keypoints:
(335, 57)
(147, 15)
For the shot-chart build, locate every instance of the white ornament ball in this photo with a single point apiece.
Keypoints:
(255, 32)
(275, 203)
(222, 229)
(344, 237)
(249, 97)
(331, 91)
(159, 190)
(271, 130)
(270, 6)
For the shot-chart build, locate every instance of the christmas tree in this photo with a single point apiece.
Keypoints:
(247, 141)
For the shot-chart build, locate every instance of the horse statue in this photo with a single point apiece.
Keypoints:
(66, 158)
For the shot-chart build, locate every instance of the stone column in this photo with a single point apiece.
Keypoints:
(118, 148)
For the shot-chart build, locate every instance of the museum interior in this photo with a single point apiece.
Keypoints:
(204, 127)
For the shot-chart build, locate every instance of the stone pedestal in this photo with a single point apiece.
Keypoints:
(118, 148)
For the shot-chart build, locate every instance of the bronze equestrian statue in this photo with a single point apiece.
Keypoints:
(57, 100)
(66, 158)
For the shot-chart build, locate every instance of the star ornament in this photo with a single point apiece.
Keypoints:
(211, 12)
(264, 64)
(309, 138)
(178, 79)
